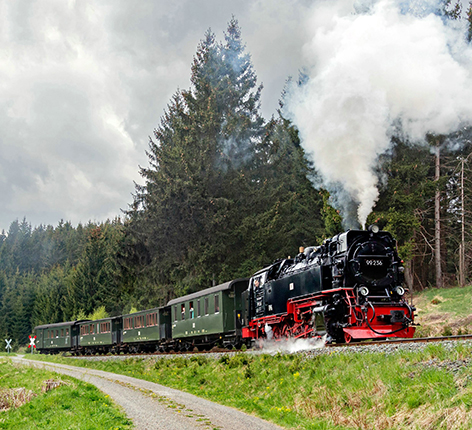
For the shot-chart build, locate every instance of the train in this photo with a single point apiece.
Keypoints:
(349, 288)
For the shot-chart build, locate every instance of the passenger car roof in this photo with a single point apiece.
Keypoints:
(211, 290)
(61, 324)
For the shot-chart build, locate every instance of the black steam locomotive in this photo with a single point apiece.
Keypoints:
(351, 287)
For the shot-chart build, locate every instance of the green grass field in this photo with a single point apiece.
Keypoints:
(444, 311)
(457, 301)
(405, 390)
(25, 403)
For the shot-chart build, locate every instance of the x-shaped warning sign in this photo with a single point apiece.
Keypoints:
(32, 341)
(8, 347)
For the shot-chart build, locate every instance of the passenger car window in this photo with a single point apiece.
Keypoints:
(190, 311)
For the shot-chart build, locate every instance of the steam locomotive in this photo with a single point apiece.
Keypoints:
(349, 288)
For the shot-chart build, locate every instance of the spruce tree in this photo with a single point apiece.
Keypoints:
(406, 207)
(182, 218)
(286, 208)
(94, 280)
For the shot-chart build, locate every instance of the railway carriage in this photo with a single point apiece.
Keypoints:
(100, 336)
(146, 330)
(55, 338)
(209, 317)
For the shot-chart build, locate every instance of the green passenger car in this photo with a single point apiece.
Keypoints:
(54, 338)
(143, 331)
(209, 317)
(100, 336)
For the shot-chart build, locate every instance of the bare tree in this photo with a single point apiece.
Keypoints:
(437, 218)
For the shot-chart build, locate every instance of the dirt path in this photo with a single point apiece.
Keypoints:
(153, 406)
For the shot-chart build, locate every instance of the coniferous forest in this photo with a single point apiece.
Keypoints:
(225, 193)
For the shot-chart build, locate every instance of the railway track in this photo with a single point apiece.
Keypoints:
(399, 341)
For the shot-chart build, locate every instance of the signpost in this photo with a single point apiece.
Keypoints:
(8, 347)
(32, 345)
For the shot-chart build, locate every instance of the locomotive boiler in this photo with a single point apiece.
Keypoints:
(349, 288)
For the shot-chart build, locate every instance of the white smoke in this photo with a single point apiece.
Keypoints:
(373, 66)
(291, 346)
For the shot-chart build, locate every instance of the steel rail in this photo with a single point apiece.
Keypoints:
(399, 341)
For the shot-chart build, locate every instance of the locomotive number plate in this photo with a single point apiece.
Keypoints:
(373, 262)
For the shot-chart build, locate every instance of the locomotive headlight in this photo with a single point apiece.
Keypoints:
(363, 291)
(400, 290)
(374, 228)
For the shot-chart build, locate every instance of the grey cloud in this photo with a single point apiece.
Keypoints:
(83, 84)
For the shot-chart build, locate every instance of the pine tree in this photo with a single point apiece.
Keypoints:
(286, 207)
(51, 297)
(452, 12)
(405, 208)
(181, 219)
(94, 281)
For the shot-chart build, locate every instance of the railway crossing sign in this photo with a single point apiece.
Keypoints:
(32, 341)
(8, 347)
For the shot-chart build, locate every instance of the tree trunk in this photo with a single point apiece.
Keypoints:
(409, 281)
(437, 222)
(462, 244)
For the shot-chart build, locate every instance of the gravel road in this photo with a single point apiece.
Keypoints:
(153, 406)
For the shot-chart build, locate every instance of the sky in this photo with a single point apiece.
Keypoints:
(83, 84)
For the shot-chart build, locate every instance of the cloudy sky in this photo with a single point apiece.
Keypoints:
(84, 83)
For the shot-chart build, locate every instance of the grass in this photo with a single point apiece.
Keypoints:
(406, 390)
(422, 390)
(39, 399)
(457, 301)
(444, 311)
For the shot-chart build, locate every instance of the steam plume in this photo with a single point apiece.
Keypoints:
(374, 66)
